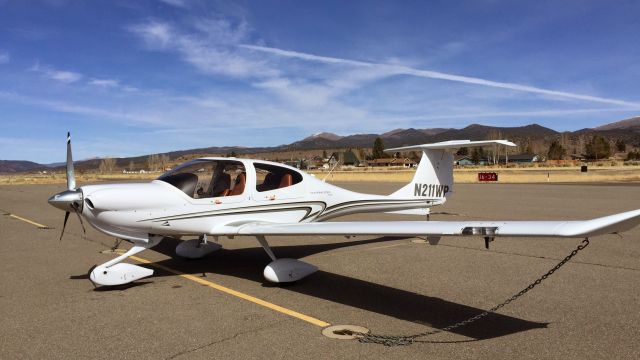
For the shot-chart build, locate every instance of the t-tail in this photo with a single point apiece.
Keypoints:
(433, 179)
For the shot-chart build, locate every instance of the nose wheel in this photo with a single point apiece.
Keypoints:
(114, 272)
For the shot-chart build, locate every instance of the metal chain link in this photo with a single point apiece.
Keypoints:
(391, 340)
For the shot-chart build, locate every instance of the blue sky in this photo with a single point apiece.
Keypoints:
(137, 77)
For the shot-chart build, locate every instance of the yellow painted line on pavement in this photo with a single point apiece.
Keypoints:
(238, 294)
(29, 221)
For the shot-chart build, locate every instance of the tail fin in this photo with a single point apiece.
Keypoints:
(434, 176)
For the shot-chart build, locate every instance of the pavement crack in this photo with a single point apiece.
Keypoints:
(219, 341)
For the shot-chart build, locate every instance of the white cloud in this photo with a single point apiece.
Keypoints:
(105, 83)
(298, 92)
(495, 114)
(58, 75)
(392, 70)
(64, 76)
(212, 48)
(154, 34)
(64, 107)
(176, 3)
(4, 57)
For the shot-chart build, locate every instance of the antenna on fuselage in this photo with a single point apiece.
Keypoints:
(330, 171)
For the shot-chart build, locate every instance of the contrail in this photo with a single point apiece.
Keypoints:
(405, 70)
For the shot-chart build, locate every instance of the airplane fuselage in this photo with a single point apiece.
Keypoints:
(132, 211)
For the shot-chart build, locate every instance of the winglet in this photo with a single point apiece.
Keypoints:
(612, 224)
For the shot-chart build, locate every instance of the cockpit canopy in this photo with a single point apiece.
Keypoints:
(206, 178)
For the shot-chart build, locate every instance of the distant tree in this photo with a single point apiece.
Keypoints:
(378, 148)
(633, 155)
(163, 161)
(598, 148)
(413, 155)
(528, 149)
(107, 165)
(621, 146)
(556, 151)
(477, 155)
(152, 162)
(324, 154)
(463, 151)
(494, 134)
(362, 154)
(131, 166)
(233, 154)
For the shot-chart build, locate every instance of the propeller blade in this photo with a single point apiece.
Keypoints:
(71, 177)
(64, 224)
(76, 207)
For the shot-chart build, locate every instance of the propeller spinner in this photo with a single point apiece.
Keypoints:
(72, 198)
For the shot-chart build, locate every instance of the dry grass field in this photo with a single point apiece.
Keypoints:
(59, 178)
(533, 174)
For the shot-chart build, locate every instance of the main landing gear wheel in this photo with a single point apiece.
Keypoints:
(284, 270)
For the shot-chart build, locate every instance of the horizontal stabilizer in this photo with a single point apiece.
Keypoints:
(573, 229)
(452, 144)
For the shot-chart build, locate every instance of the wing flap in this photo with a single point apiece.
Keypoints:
(604, 225)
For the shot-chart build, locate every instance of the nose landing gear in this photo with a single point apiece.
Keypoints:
(115, 273)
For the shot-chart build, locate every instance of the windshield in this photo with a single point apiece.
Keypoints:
(208, 178)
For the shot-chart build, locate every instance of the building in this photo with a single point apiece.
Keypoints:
(520, 159)
(467, 160)
(392, 162)
(462, 160)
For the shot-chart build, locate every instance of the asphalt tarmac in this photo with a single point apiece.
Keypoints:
(589, 309)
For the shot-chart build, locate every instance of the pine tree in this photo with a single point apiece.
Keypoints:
(556, 151)
(378, 148)
(598, 148)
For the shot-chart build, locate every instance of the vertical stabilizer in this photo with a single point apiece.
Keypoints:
(434, 176)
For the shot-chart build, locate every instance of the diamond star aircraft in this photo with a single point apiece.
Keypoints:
(219, 196)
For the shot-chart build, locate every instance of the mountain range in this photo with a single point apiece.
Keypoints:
(534, 137)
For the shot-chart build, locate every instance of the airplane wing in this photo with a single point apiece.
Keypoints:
(611, 224)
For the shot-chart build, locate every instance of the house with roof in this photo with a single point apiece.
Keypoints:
(392, 162)
(520, 159)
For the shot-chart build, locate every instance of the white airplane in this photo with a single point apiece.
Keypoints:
(219, 196)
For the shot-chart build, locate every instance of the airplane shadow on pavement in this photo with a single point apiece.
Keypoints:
(248, 263)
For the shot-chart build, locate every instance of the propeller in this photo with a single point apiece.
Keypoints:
(72, 198)
(71, 176)
(64, 224)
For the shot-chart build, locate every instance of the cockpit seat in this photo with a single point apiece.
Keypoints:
(221, 187)
(238, 189)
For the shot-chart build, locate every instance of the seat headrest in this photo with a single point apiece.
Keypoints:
(241, 181)
(287, 180)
